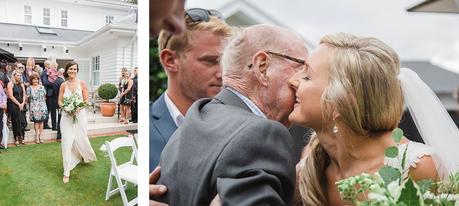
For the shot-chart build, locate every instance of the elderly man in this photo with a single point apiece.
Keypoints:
(50, 95)
(191, 62)
(57, 84)
(237, 144)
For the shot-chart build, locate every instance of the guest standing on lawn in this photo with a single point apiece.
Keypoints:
(38, 111)
(126, 97)
(49, 95)
(2, 107)
(16, 106)
(75, 142)
(134, 104)
(56, 86)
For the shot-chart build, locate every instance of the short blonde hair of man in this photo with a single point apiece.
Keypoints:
(181, 42)
(47, 63)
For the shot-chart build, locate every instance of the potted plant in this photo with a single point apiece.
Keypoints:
(107, 91)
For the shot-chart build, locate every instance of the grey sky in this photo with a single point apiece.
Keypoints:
(415, 36)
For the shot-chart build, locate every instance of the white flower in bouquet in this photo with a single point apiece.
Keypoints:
(71, 105)
(395, 189)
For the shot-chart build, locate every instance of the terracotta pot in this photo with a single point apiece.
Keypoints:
(107, 109)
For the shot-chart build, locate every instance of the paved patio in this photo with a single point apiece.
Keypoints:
(98, 125)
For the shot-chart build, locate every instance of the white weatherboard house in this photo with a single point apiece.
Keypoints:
(100, 35)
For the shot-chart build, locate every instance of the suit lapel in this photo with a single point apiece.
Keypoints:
(162, 119)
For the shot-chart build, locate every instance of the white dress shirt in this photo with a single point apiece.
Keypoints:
(176, 115)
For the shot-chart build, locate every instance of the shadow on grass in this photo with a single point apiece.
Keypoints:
(32, 175)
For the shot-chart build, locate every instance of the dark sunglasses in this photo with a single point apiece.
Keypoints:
(299, 61)
(197, 15)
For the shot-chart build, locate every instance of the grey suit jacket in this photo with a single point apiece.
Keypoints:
(224, 148)
(161, 128)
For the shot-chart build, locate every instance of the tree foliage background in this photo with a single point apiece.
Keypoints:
(158, 78)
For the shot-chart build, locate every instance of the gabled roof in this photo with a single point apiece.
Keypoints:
(247, 13)
(27, 33)
(439, 80)
(31, 33)
(126, 25)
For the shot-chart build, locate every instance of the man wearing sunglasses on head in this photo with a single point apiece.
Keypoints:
(236, 145)
(192, 64)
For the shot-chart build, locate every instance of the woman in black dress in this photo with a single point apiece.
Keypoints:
(126, 97)
(16, 106)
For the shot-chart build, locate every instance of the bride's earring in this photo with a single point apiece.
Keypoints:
(335, 129)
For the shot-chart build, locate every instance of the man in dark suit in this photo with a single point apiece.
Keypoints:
(191, 62)
(134, 103)
(237, 145)
(50, 97)
(56, 86)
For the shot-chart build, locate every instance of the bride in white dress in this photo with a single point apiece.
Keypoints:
(351, 92)
(75, 143)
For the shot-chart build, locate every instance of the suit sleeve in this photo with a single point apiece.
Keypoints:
(44, 79)
(257, 166)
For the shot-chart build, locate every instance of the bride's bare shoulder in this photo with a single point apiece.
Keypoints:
(64, 84)
(425, 169)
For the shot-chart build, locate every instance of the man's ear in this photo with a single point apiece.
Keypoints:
(260, 67)
(168, 59)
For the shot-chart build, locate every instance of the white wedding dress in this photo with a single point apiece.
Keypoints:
(414, 152)
(75, 143)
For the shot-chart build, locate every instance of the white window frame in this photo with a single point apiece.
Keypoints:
(64, 18)
(46, 16)
(109, 19)
(27, 14)
(95, 69)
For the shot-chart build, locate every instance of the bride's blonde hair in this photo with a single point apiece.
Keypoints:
(364, 90)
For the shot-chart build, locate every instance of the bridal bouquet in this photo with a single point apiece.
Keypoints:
(71, 105)
(390, 187)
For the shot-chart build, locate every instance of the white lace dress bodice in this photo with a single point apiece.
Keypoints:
(414, 153)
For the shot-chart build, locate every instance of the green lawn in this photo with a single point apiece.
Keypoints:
(32, 175)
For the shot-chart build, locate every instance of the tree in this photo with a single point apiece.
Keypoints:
(158, 77)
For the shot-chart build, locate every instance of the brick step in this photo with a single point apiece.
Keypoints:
(93, 129)
(92, 119)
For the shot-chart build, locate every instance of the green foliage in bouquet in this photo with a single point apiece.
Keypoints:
(107, 91)
(73, 104)
(389, 187)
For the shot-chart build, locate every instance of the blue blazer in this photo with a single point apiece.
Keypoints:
(162, 126)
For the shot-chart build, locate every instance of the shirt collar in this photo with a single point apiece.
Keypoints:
(173, 110)
(249, 103)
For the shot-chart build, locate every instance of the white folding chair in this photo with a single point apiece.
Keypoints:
(136, 137)
(126, 172)
(134, 153)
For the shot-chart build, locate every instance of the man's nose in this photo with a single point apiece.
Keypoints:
(293, 82)
(218, 74)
